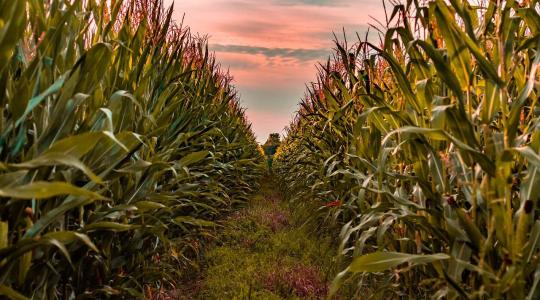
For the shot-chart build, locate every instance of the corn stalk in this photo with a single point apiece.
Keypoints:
(121, 141)
(425, 149)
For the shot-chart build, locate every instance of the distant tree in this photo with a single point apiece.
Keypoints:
(270, 147)
(274, 138)
(271, 144)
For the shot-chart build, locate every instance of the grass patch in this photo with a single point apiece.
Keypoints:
(264, 252)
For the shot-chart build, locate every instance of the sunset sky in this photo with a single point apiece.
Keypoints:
(271, 47)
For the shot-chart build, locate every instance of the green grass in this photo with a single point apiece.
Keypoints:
(260, 247)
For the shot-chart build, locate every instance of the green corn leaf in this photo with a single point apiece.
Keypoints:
(110, 226)
(4, 231)
(43, 190)
(443, 70)
(148, 205)
(534, 288)
(11, 293)
(460, 61)
(35, 101)
(11, 28)
(66, 237)
(381, 261)
(54, 158)
(193, 158)
(194, 221)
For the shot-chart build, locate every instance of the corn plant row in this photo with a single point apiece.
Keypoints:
(121, 141)
(425, 149)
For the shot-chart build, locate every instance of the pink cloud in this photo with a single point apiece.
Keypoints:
(267, 24)
(257, 70)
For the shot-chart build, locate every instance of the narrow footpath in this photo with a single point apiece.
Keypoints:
(268, 250)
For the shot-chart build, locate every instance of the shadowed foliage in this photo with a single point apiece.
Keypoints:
(121, 140)
(425, 150)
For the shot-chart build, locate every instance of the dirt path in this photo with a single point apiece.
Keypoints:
(265, 251)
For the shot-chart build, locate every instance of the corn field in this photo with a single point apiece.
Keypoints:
(424, 149)
(122, 143)
(121, 140)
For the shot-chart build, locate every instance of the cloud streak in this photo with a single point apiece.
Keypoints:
(311, 2)
(302, 55)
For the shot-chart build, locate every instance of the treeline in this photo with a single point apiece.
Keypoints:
(424, 149)
(121, 140)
